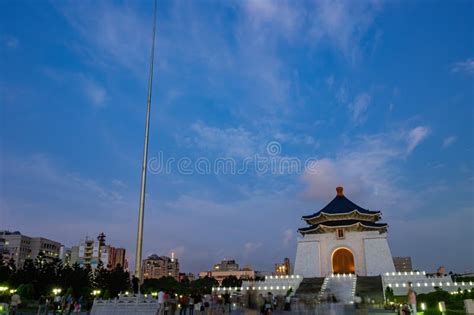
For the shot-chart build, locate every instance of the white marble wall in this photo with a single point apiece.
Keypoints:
(307, 261)
(278, 285)
(398, 281)
(378, 256)
(371, 252)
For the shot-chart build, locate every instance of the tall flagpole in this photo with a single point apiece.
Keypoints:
(141, 211)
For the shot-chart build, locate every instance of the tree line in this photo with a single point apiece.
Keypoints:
(39, 277)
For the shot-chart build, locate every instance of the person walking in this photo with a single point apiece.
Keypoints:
(15, 301)
(161, 303)
(41, 303)
(184, 301)
(411, 296)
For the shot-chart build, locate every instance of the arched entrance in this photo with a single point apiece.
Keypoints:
(342, 261)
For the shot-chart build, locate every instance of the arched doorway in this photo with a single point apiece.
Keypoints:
(342, 261)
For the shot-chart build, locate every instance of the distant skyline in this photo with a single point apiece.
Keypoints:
(377, 95)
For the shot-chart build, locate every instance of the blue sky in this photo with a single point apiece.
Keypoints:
(378, 95)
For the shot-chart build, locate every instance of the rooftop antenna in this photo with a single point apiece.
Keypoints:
(141, 210)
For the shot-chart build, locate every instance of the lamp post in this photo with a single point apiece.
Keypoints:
(141, 211)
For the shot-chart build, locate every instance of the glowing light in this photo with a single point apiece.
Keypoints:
(56, 291)
(3, 289)
(393, 273)
(442, 307)
(423, 306)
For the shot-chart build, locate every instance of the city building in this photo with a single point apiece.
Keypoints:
(343, 238)
(21, 247)
(226, 265)
(74, 254)
(65, 254)
(402, 264)
(186, 277)
(45, 249)
(155, 267)
(117, 258)
(227, 268)
(284, 268)
(92, 252)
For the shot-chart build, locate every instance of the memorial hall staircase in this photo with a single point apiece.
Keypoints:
(370, 289)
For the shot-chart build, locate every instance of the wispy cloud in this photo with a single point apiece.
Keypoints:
(359, 106)
(287, 237)
(416, 136)
(365, 168)
(466, 66)
(94, 92)
(229, 141)
(448, 141)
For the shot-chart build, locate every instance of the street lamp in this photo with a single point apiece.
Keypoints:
(3, 289)
(56, 291)
(95, 292)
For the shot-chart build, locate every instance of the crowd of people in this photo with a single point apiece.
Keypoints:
(193, 304)
(53, 305)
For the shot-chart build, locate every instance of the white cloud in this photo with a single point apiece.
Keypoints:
(116, 34)
(96, 94)
(359, 106)
(287, 237)
(449, 141)
(230, 141)
(466, 66)
(416, 136)
(344, 23)
(366, 168)
(251, 247)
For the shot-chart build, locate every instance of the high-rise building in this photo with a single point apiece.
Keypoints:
(155, 267)
(21, 247)
(284, 268)
(402, 264)
(44, 249)
(227, 268)
(65, 254)
(226, 265)
(94, 252)
(117, 258)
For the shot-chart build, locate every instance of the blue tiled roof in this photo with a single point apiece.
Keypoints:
(343, 223)
(340, 205)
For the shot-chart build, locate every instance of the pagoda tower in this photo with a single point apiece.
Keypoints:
(343, 237)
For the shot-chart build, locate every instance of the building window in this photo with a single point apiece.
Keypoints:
(340, 233)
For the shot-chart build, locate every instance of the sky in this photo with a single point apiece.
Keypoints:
(260, 109)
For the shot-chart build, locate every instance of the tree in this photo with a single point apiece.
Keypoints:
(118, 281)
(165, 283)
(232, 281)
(203, 285)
